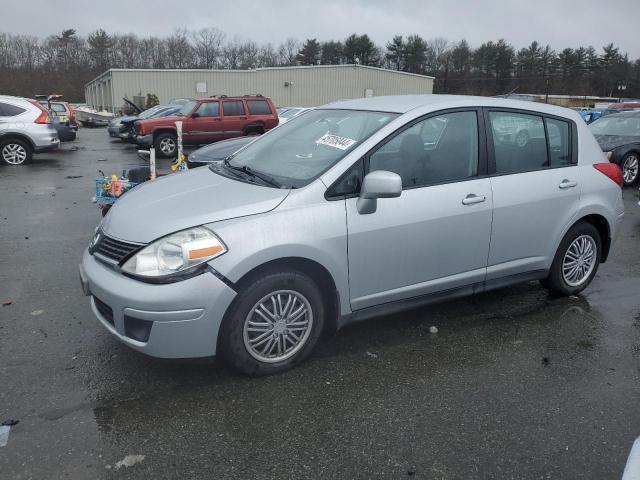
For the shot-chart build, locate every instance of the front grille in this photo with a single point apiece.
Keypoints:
(115, 249)
(104, 310)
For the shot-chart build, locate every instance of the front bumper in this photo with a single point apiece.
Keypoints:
(114, 130)
(144, 140)
(184, 317)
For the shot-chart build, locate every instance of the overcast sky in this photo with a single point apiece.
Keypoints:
(560, 23)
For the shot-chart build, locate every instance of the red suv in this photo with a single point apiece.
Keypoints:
(208, 120)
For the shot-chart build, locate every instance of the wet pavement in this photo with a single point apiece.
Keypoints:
(515, 384)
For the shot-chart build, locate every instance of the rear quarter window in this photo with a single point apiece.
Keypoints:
(259, 107)
(8, 110)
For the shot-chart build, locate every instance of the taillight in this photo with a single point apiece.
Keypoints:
(611, 170)
(44, 116)
(72, 113)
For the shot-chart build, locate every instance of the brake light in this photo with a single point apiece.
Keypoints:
(611, 170)
(72, 113)
(44, 116)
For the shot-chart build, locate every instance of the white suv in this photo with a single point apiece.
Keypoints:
(25, 128)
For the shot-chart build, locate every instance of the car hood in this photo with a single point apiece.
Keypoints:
(609, 142)
(183, 200)
(169, 120)
(117, 120)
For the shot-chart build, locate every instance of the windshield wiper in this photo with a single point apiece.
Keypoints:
(252, 173)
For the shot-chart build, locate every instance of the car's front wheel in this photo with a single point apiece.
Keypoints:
(273, 324)
(630, 167)
(576, 260)
(15, 151)
(166, 145)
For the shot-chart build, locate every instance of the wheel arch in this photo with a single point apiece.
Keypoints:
(602, 225)
(19, 136)
(162, 130)
(313, 269)
(253, 127)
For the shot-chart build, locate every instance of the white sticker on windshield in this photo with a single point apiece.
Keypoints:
(335, 141)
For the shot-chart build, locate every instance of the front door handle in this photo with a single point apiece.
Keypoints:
(564, 184)
(472, 198)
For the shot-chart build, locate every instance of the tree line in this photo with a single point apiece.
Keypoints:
(65, 62)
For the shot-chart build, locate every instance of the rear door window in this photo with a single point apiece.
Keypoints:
(519, 142)
(528, 142)
(232, 108)
(259, 107)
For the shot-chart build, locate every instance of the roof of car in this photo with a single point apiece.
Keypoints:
(406, 103)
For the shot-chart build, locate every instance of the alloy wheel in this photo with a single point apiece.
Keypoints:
(278, 326)
(14, 153)
(630, 168)
(167, 145)
(579, 260)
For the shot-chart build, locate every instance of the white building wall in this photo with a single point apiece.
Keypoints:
(288, 86)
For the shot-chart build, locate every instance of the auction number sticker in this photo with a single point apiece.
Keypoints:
(335, 141)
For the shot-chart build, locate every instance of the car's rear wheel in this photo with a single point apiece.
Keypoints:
(15, 151)
(576, 261)
(273, 324)
(630, 167)
(166, 145)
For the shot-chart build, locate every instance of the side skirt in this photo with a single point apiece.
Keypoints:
(438, 297)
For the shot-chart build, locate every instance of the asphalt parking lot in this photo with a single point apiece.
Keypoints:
(515, 384)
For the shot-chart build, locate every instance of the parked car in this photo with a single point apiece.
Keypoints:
(122, 127)
(291, 112)
(590, 116)
(208, 120)
(63, 116)
(218, 151)
(352, 210)
(25, 129)
(128, 133)
(619, 137)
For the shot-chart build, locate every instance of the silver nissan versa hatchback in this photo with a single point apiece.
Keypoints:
(355, 209)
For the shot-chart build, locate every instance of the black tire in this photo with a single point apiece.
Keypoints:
(627, 164)
(556, 282)
(232, 334)
(15, 151)
(161, 141)
(254, 131)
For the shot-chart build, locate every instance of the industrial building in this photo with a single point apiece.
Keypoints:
(305, 86)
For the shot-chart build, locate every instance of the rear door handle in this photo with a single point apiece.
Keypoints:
(472, 198)
(564, 184)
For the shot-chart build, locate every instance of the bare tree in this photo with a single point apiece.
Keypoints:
(207, 46)
(287, 51)
(179, 50)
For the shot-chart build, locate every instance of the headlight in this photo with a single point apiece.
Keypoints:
(176, 253)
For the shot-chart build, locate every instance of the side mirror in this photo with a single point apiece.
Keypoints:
(195, 115)
(378, 184)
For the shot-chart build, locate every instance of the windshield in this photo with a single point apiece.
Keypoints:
(186, 108)
(151, 111)
(300, 150)
(617, 125)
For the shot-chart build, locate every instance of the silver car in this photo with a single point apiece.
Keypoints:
(25, 129)
(355, 209)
